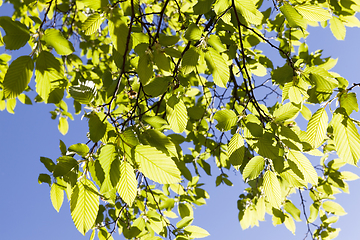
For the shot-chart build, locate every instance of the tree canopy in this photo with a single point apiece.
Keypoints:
(167, 88)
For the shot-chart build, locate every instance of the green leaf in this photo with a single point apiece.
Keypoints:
(293, 17)
(287, 111)
(218, 67)
(313, 13)
(55, 39)
(44, 178)
(316, 128)
(94, 4)
(18, 76)
(48, 163)
(118, 31)
(193, 32)
(272, 189)
(156, 165)
(97, 128)
(226, 119)
(57, 196)
(161, 142)
(190, 60)
(349, 102)
(253, 168)
(65, 165)
(107, 155)
(196, 232)
(92, 24)
(202, 6)
(184, 222)
(304, 166)
(236, 150)
(63, 125)
(314, 212)
(334, 208)
(80, 148)
(337, 28)
(84, 205)
(49, 75)
(17, 34)
(127, 186)
(176, 114)
(346, 136)
(249, 11)
(165, 40)
(292, 210)
(83, 93)
(161, 60)
(145, 69)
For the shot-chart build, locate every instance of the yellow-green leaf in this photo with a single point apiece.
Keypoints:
(286, 112)
(63, 125)
(337, 28)
(226, 119)
(248, 10)
(316, 128)
(156, 165)
(176, 114)
(196, 232)
(292, 16)
(254, 167)
(84, 205)
(55, 39)
(18, 76)
(92, 24)
(304, 165)
(313, 13)
(334, 208)
(346, 136)
(128, 184)
(218, 66)
(57, 196)
(236, 150)
(272, 189)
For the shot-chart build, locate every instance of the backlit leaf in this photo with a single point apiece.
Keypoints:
(313, 13)
(316, 128)
(337, 28)
(84, 205)
(57, 196)
(17, 34)
(286, 112)
(334, 208)
(18, 76)
(304, 165)
(128, 184)
(196, 232)
(226, 119)
(346, 136)
(176, 114)
(272, 189)
(292, 16)
(92, 23)
(254, 167)
(55, 39)
(236, 150)
(156, 165)
(218, 67)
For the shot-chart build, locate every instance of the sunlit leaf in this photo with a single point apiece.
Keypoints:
(304, 166)
(128, 184)
(176, 114)
(316, 128)
(55, 39)
(84, 205)
(218, 67)
(272, 189)
(334, 208)
(156, 165)
(57, 196)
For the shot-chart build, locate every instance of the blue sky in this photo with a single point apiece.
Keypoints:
(25, 206)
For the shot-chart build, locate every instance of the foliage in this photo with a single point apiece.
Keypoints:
(167, 86)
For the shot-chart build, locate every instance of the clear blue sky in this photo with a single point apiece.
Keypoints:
(25, 206)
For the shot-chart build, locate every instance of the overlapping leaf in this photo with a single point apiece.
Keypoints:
(128, 184)
(316, 128)
(304, 166)
(84, 205)
(236, 150)
(17, 34)
(92, 23)
(176, 114)
(55, 39)
(347, 138)
(57, 196)
(156, 165)
(18, 76)
(217, 66)
(272, 189)
(254, 167)
(226, 119)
